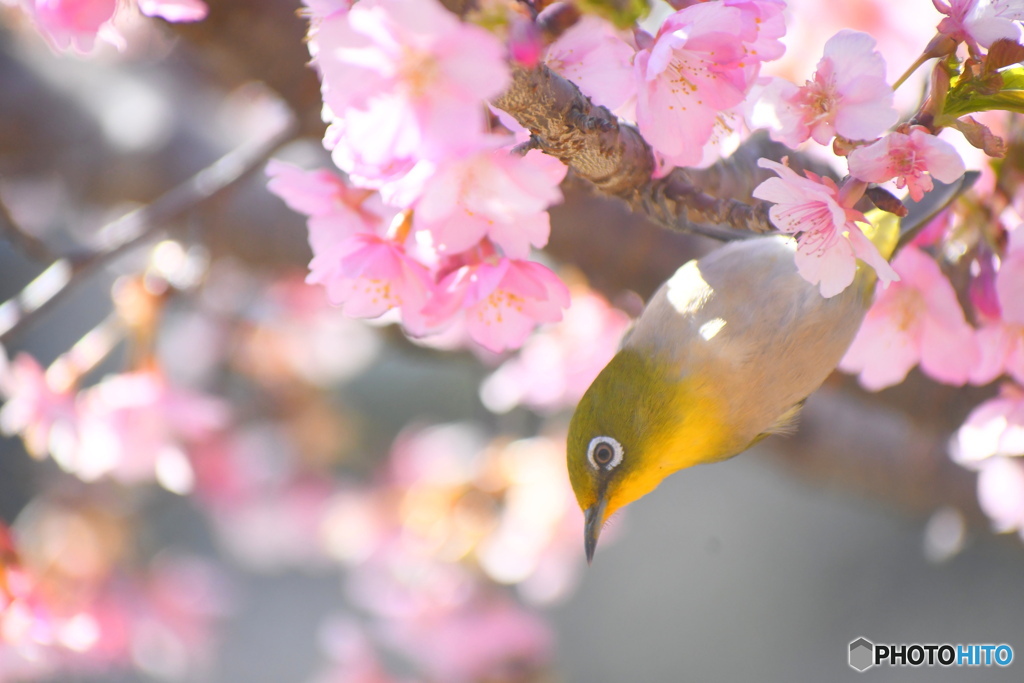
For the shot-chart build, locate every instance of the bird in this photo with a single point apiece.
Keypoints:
(724, 354)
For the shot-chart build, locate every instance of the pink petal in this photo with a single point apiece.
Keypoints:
(868, 252)
(175, 10)
(832, 270)
(882, 352)
(1001, 493)
(1010, 287)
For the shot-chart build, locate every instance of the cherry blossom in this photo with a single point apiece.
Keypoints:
(525, 43)
(1001, 337)
(354, 659)
(980, 22)
(912, 159)
(474, 641)
(994, 428)
(1001, 493)
(991, 441)
(846, 96)
(72, 24)
(697, 66)
(35, 409)
(335, 208)
(75, 24)
(405, 79)
(368, 276)
(492, 194)
(502, 300)
(828, 239)
(765, 19)
(134, 427)
(593, 56)
(174, 10)
(915, 320)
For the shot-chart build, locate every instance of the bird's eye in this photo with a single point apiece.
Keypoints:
(604, 452)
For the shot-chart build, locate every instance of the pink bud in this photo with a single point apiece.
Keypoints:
(982, 290)
(525, 44)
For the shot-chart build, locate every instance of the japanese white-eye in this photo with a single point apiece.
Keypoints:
(723, 355)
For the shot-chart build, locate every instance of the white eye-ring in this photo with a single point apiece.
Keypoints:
(604, 452)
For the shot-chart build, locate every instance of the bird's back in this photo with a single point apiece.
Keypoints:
(756, 333)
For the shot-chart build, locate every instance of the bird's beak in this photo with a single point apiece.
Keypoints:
(593, 519)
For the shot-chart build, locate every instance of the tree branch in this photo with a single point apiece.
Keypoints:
(58, 278)
(614, 157)
(29, 245)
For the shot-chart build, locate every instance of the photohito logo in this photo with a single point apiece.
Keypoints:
(864, 654)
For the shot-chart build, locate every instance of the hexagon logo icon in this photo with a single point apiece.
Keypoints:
(862, 654)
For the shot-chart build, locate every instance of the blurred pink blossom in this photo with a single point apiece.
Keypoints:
(1001, 493)
(994, 428)
(765, 20)
(911, 160)
(558, 363)
(698, 65)
(406, 80)
(982, 288)
(525, 43)
(1001, 339)
(915, 320)
(275, 526)
(980, 22)
(135, 427)
(71, 24)
(174, 10)
(69, 614)
(33, 407)
(502, 300)
(325, 9)
(479, 640)
(846, 96)
(593, 56)
(828, 239)
(354, 659)
(75, 24)
(534, 544)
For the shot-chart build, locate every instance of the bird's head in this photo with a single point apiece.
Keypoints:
(637, 423)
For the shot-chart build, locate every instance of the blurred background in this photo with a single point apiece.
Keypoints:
(324, 500)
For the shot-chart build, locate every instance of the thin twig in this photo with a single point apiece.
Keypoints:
(128, 231)
(27, 244)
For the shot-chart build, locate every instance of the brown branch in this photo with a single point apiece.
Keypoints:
(568, 126)
(60, 276)
(616, 159)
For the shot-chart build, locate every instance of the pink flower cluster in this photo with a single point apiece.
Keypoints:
(132, 427)
(980, 22)
(446, 239)
(991, 441)
(680, 84)
(437, 219)
(920, 321)
(427, 549)
(65, 608)
(75, 24)
(427, 546)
